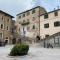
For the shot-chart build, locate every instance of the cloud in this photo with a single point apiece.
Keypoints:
(48, 4)
(14, 7)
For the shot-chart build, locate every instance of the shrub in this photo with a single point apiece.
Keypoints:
(19, 50)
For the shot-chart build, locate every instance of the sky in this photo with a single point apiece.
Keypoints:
(14, 7)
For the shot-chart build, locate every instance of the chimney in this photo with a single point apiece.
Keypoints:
(54, 9)
(57, 7)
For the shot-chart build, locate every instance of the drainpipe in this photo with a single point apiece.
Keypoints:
(3, 28)
(39, 22)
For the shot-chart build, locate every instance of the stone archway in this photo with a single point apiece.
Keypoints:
(37, 38)
(6, 40)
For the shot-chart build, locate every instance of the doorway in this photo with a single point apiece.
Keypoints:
(6, 41)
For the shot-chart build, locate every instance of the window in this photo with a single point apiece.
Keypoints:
(28, 13)
(0, 35)
(56, 13)
(46, 35)
(7, 27)
(33, 11)
(33, 18)
(6, 37)
(23, 15)
(23, 21)
(46, 25)
(19, 17)
(57, 23)
(2, 17)
(46, 16)
(1, 26)
(33, 26)
(7, 20)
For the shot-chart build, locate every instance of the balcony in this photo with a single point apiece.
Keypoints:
(25, 23)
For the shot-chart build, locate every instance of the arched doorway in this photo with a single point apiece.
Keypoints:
(37, 38)
(6, 40)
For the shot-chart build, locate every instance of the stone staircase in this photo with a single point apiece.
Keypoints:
(27, 40)
(53, 39)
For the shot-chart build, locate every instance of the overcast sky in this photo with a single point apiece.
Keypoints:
(14, 7)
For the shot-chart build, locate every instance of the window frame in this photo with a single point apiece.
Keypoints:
(1, 26)
(7, 28)
(23, 14)
(46, 25)
(56, 13)
(46, 16)
(33, 11)
(7, 20)
(47, 35)
(2, 18)
(33, 27)
(19, 17)
(56, 23)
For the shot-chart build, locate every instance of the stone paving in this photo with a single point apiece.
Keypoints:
(35, 53)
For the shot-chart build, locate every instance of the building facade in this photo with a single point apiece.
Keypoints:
(50, 23)
(28, 22)
(5, 27)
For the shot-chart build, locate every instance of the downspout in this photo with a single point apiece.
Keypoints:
(39, 21)
(3, 28)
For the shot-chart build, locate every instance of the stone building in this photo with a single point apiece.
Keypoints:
(28, 22)
(49, 23)
(5, 27)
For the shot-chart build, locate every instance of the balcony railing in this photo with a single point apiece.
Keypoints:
(25, 23)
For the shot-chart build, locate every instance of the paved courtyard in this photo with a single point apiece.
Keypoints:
(35, 53)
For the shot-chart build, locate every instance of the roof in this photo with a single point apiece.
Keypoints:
(6, 13)
(50, 12)
(31, 9)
